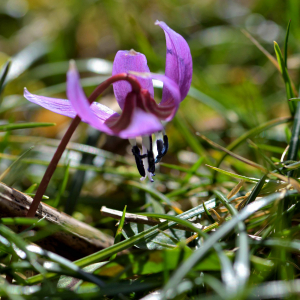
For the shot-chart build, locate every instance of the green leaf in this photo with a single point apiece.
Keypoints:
(4, 73)
(226, 267)
(28, 255)
(107, 252)
(256, 190)
(65, 263)
(21, 157)
(33, 194)
(274, 149)
(251, 133)
(286, 40)
(153, 262)
(31, 188)
(63, 186)
(119, 231)
(199, 254)
(208, 214)
(294, 141)
(152, 191)
(14, 126)
(24, 222)
(182, 169)
(241, 264)
(168, 238)
(193, 170)
(248, 179)
(190, 138)
(72, 283)
(286, 78)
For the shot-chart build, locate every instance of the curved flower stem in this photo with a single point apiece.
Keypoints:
(66, 138)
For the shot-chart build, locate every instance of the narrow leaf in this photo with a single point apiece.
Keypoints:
(253, 132)
(63, 186)
(4, 72)
(286, 40)
(290, 90)
(119, 231)
(248, 179)
(15, 126)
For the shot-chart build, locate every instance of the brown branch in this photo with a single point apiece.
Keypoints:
(75, 239)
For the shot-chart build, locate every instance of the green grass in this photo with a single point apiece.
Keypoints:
(235, 134)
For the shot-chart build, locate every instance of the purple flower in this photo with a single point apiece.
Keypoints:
(141, 115)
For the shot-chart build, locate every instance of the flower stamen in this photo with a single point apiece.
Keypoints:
(149, 162)
(162, 148)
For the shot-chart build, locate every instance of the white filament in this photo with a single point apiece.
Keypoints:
(132, 142)
(146, 146)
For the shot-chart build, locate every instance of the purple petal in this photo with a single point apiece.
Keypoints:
(134, 121)
(142, 123)
(179, 65)
(64, 107)
(81, 104)
(59, 106)
(124, 62)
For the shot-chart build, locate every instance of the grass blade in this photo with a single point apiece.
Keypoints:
(286, 40)
(190, 138)
(193, 170)
(107, 252)
(251, 133)
(256, 190)
(242, 261)
(14, 126)
(248, 179)
(294, 141)
(244, 160)
(5, 71)
(119, 232)
(290, 90)
(181, 272)
(63, 186)
(226, 267)
(3, 175)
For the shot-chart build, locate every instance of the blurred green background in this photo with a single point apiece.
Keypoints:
(235, 88)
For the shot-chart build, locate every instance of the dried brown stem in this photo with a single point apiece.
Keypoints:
(72, 239)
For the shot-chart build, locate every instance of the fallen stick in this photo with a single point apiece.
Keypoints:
(75, 240)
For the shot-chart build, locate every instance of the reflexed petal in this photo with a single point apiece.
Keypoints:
(102, 112)
(81, 104)
(124, 62)
(59, 106)
(64, 107)
(131, 123)
(167, 108)
(142, 123)
(179, 65)
(134, 121)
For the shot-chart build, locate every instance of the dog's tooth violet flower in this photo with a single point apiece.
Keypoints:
(141, 115)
